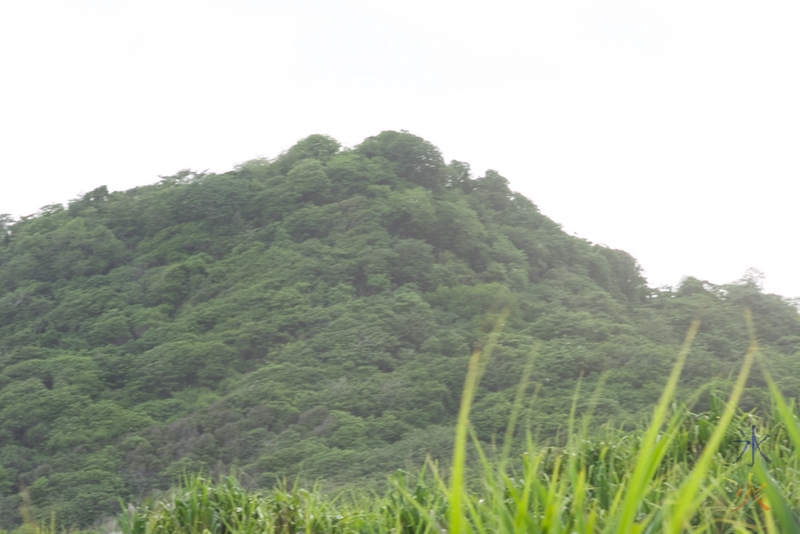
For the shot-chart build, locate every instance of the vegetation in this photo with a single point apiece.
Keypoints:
(314, 316)
(645, 481)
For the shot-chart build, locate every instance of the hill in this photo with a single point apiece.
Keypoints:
(314, 315)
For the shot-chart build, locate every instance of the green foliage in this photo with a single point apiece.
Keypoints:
(313, 316)
(408, 156)
(588, 486)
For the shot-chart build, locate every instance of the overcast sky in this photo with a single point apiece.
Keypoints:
(670, 130)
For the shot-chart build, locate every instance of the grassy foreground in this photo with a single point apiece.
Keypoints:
(675, 475)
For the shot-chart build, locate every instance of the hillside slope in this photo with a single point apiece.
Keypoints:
(314, 314)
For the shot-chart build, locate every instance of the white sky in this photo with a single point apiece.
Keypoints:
(667, 129)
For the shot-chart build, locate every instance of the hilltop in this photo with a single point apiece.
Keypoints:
(314, 315)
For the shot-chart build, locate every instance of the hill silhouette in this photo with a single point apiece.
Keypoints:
(314, 315)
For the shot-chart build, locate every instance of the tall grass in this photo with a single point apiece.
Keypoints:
(674, 475)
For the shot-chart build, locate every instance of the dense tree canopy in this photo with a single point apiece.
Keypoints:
(313, 315)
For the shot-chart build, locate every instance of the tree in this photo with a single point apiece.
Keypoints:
(409, 156)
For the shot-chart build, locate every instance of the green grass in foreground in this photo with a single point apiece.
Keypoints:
(674, 476)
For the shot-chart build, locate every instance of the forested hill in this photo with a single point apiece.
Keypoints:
(314, 314)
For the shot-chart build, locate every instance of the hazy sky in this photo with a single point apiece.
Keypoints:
(670, 130)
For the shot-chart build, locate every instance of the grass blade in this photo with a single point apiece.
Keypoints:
(476, 365)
